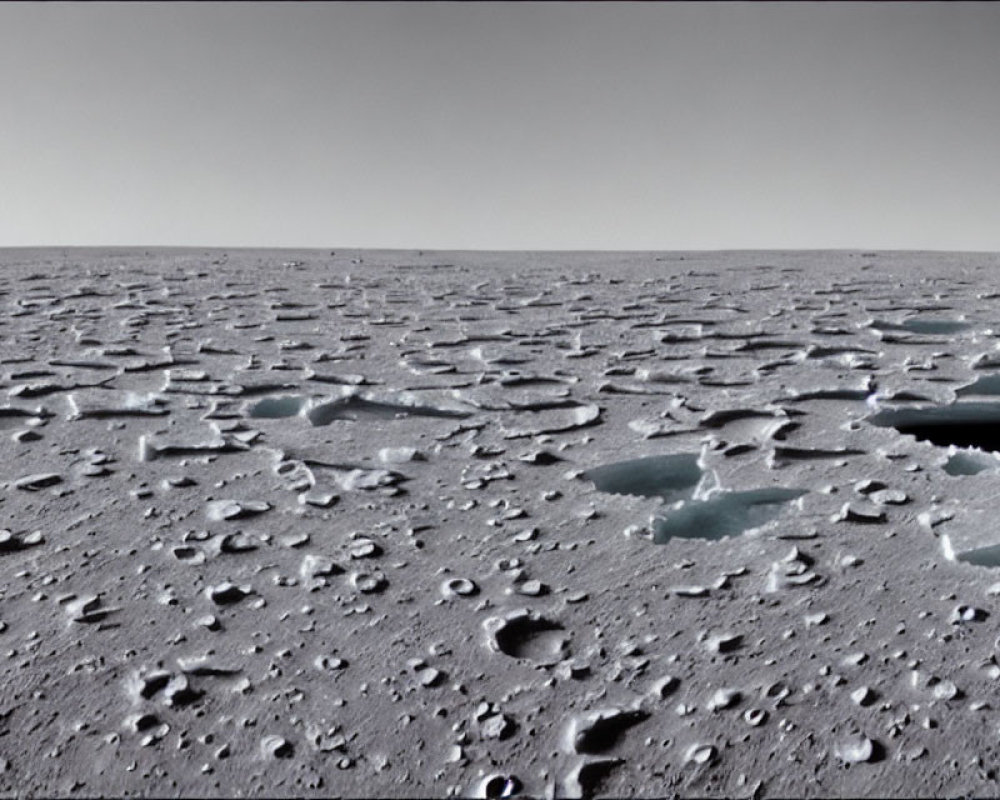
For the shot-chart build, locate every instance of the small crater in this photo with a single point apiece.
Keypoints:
(527, 635)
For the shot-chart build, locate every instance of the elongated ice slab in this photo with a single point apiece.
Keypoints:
(354, 407)
(349, 406)
(277, 407)
(925, 326)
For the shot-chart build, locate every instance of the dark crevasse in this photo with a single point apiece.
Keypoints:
(961, 424)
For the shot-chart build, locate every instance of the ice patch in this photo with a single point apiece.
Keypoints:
(970, 462)
(669, 477)
(277, 407)
(725, 514)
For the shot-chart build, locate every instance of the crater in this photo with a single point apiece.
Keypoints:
(527, 635)
(970, 462)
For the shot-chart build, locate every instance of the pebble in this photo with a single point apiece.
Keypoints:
(863, 696)
(274, 746)
(855, 749)
(724, 643)
(700, 754)
(227, 593)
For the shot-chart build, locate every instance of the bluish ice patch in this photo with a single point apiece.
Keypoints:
(983, 557)
(669, 477)
(970, 462)
(679, 479)
(987, 385)
(726, 514)
(278, 407)
(935, 326)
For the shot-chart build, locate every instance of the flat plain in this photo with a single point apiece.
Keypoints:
(425, 524)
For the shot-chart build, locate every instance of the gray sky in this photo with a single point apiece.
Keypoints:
(501, 125)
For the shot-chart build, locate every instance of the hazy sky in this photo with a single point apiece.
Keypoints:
(610, 125)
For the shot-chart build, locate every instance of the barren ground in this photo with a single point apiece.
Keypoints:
(358, 524)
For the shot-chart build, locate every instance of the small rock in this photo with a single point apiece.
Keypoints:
(273, 746)
(38, 481)
(855, 749)
(700, 754)
(226, 593)
(755, 716)
(724, 643)
(966, 613)
(863, 696)
(498, 726)
(723, 699)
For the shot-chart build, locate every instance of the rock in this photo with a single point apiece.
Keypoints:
(38, 481)
(855, 749)
(596, 732)
(274, 746)
(227, 593)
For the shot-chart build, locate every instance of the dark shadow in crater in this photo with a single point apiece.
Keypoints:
(964, 425)
(531, 638)
(606, 733)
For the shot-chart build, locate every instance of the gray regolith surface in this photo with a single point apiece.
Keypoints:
(302, 523)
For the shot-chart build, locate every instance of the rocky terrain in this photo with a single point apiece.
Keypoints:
(400, 524)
